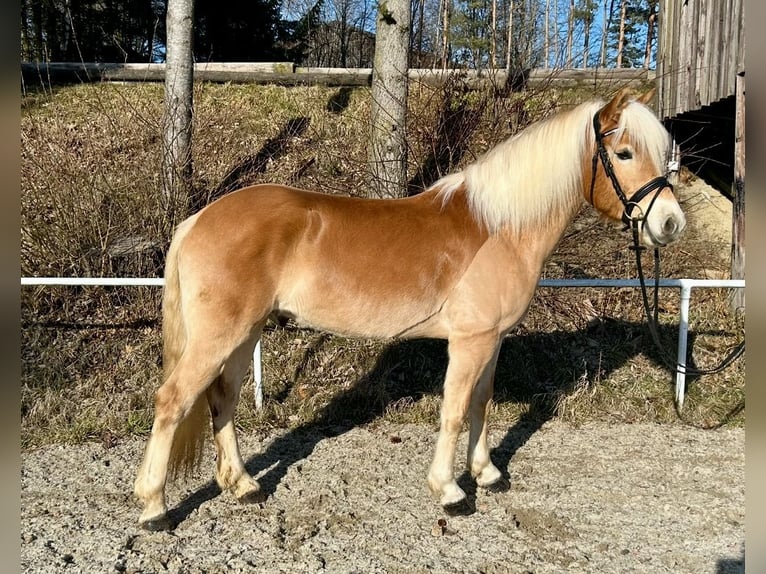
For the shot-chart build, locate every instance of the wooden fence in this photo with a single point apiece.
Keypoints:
(288, 74)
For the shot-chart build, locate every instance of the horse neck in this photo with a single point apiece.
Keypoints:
(526, 181)
(538, 240)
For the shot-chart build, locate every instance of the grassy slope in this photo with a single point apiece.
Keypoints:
(90, 356)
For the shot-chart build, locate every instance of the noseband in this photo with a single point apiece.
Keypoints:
(658, 183)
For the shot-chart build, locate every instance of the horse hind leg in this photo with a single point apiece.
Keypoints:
(177, 401)
(222, 397)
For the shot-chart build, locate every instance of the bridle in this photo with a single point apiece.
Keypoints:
(655, 185)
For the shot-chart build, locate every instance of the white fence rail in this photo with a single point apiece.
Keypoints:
(684, 285)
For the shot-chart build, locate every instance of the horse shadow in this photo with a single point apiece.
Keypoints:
(535, 368)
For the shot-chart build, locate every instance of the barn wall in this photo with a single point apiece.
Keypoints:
(701, 50)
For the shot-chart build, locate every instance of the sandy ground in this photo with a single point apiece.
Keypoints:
(708, 213)
(598, 498)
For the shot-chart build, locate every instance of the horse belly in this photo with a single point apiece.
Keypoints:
(371, 312)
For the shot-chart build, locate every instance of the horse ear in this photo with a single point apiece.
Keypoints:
(647, 97)
(609, 116)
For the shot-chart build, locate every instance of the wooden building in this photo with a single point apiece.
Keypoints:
(701, 99)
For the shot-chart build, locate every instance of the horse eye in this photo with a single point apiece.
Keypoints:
(624, 154)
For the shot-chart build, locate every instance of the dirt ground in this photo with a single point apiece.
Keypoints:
(598, 498)
(708, 212)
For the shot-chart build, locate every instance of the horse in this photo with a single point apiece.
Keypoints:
(459, 261)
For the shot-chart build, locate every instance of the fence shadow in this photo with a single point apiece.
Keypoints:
(533, 368)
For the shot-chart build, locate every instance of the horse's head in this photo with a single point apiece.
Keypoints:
(625, 176)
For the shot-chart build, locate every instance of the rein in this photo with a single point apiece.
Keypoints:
(652, 311)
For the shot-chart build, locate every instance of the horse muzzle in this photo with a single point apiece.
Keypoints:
(664, 223)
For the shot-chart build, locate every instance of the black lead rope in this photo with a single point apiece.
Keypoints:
(652, 317)
(652, 311)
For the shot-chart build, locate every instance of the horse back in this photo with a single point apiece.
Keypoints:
(369, 267)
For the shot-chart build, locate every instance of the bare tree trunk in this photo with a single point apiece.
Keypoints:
(509, 42)
(547, 39)
(586, 39)
(570, 32)
(177, 124)
(388, 147)
(421, 24)
(556, 55)
(445, 16)
(621, 38)
(650, 34)
(604, 30)
(526, 30)
(438, 41)
(26, 43)
(493, 37)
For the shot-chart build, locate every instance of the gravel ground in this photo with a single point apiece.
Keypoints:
(598, 498)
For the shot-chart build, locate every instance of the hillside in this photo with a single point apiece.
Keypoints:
(90, 207)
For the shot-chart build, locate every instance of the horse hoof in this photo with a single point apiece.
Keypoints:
(458, 508)
(252, 497)
(502, 484)
(158, 524)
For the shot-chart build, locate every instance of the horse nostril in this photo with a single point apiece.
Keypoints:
(670, 227)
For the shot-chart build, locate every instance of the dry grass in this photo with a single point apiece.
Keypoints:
(90, 187)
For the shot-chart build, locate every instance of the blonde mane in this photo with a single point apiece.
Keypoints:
(537, 173)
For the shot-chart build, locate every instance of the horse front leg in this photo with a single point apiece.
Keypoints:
(486, 474)
(469, 357)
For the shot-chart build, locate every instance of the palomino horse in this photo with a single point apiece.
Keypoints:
(459, 261)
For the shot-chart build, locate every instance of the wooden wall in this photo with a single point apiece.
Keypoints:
(701, 98)
(700, 52)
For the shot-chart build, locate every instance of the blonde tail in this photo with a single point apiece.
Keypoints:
(189, 438)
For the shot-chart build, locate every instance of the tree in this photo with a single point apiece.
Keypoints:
(570, 32)
(651, 22)
(606, 25)
(584, 14)
(470, 36)
(635, 33)
(90, 30)
(493, 37)
(547, 36)
(509, 38)
(238, 30)
(621, 36)
(388, 145)
(177, 120)
(299, 33)
(445, 17)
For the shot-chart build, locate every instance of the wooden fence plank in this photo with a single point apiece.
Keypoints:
(286, 73)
